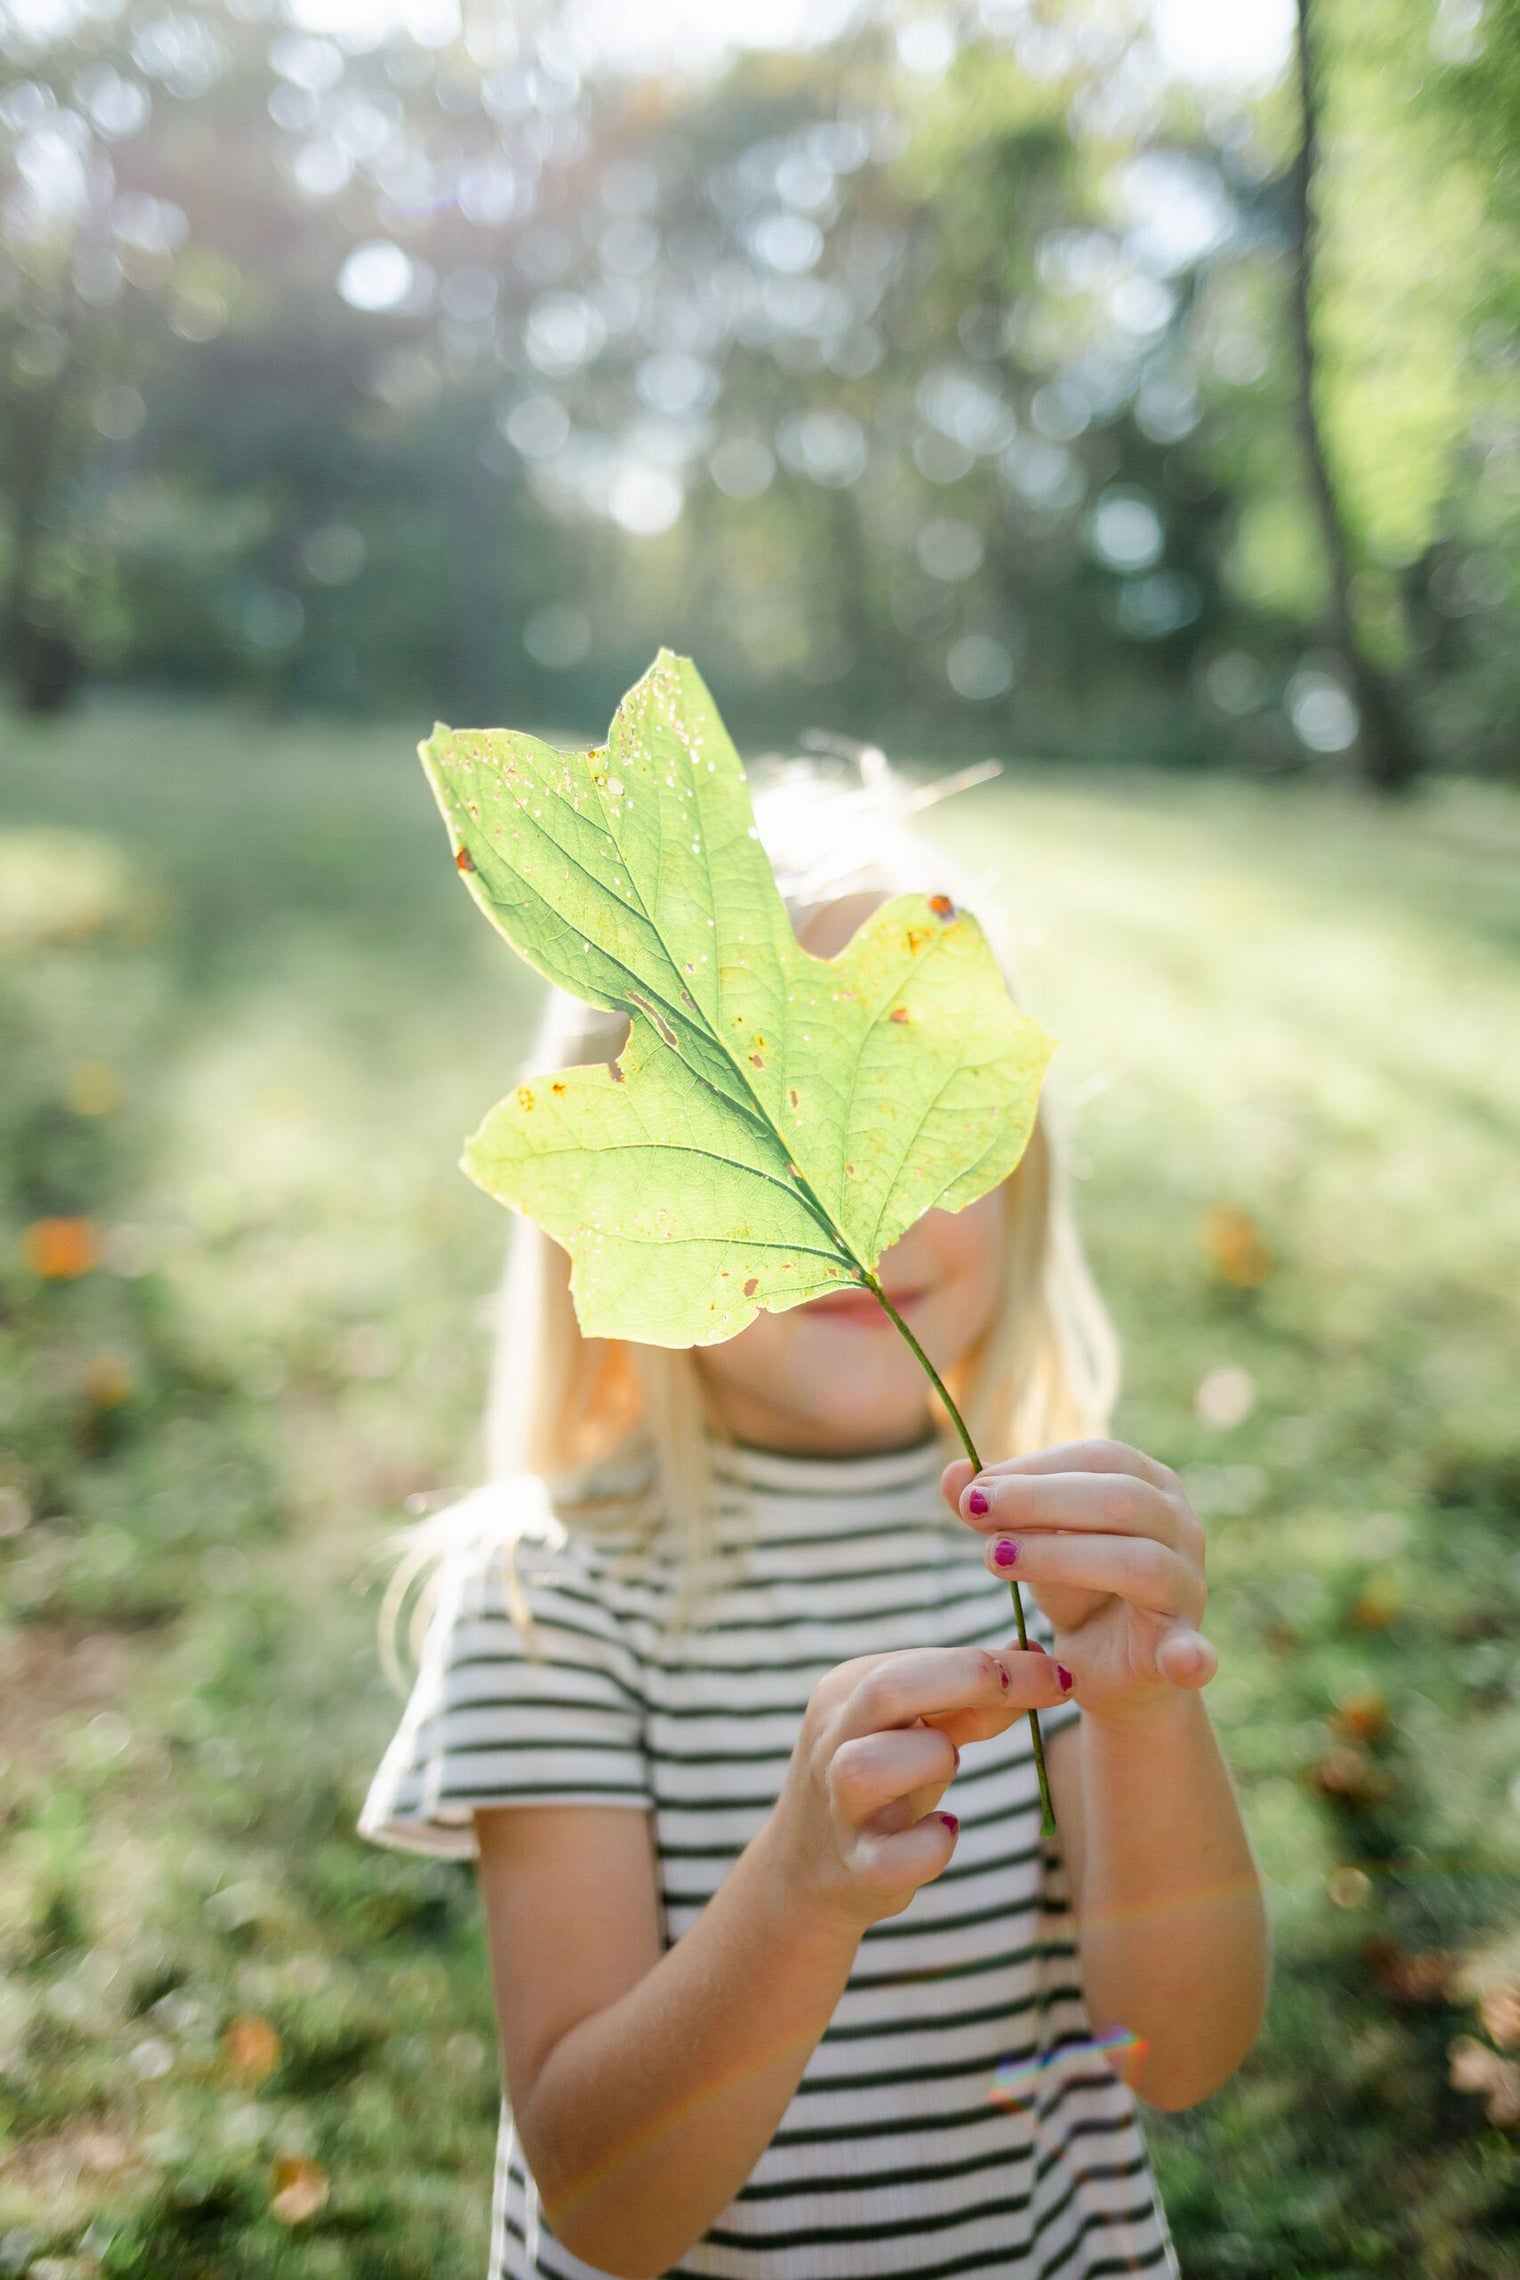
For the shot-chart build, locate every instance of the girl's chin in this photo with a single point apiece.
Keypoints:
(855, 1380)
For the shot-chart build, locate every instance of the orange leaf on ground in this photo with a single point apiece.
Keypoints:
(60, 1249)
(251, 2047)
(300, 2189)
(1234, 1243)
(105, 1381)
(1500, 2013)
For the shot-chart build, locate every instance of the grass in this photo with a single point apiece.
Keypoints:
(246, 1015)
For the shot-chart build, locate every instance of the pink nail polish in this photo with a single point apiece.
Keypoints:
(1064, 1675)
(950, 1821)
(1005, 1551)
(977, 1503)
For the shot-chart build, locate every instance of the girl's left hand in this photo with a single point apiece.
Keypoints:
(1113, 1551)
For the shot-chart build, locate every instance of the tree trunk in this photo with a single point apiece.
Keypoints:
(44, 662)
(1386, 746)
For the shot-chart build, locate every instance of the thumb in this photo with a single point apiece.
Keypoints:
(1185, 1656)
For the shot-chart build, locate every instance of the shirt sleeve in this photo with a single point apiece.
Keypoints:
(492, 1720)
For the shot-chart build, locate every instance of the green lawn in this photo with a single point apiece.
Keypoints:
(246, 1016)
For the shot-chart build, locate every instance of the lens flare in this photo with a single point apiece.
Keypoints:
(1015, 2080)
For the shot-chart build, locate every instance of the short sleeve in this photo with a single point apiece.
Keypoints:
(490, 1722)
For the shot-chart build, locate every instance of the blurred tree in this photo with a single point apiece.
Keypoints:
(936, 379)
(1385, 734)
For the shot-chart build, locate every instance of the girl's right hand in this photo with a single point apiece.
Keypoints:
(854, 1829)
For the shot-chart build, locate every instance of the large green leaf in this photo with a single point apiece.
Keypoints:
(775, 1120)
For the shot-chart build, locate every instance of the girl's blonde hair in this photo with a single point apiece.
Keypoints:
(605, 1434)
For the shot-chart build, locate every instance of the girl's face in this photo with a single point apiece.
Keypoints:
(835, 1377)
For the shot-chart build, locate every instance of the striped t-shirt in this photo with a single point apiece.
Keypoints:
(956, 2118)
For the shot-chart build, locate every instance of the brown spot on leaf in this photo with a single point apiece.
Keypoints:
(463, 861)
(792, 1096)
(556, 1088)
(524, 1097)
(898, 1013)
(757, 1061)
(617, 1075)
(915, 939)
(752, 1286)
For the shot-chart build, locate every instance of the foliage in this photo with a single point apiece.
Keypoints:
(777, 1120)
(236, 2041)
(943, 392)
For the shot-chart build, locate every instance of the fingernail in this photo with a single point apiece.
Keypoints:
(950, 1821)
(1064, 1675)
(1005, 1551)
(977, 1503)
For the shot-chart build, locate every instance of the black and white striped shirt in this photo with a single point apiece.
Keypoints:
(956, 2119)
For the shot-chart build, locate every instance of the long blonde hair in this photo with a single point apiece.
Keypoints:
(606, 1434)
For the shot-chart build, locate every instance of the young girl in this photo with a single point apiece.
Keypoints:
(707, 1667)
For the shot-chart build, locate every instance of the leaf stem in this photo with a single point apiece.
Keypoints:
(1047, 1808)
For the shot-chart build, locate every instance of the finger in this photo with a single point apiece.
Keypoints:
(1136, 1568)
(875, 1770)
(1112, 1504)
(917, 1680)
(955, 1480)
(1186, 1657)
(893, 1867)
(1093, 1456)
(966, 1726)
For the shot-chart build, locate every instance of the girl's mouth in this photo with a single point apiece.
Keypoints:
(861, 1308)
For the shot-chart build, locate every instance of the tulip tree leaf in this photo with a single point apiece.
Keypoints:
(775, 1120)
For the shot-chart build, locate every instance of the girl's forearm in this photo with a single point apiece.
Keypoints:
(645, 2120)
(1172, 1927)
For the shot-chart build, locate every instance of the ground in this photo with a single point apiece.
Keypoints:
(247, 1015)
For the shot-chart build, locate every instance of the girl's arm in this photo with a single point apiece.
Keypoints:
(1171, 1924)
(1171, 1927)
(645, 2085)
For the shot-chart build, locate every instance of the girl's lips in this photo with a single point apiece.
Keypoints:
(860, 1306)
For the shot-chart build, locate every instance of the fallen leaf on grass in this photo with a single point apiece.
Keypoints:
(300, 2189)
(1422, 1978)
(1500, 2013)
(1363, 1717)
(1479, 2072)
(60, 1250)
(251, 2048)
(1348, 1777)
(1233, 1242)
(106, 1381)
